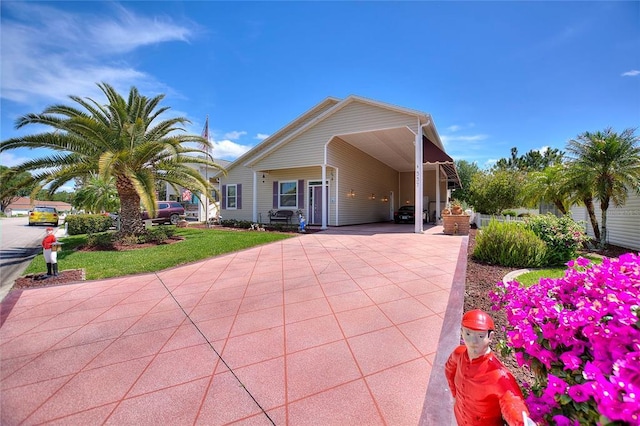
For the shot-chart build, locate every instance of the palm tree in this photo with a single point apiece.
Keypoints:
(547, 186)
(608, 164)
(97, 195)
(121, 139)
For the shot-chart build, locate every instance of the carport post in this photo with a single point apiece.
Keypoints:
(324, 194)
(419, 191)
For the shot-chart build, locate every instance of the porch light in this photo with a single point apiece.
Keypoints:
(385, 199)
(351, 194)
(373, 196)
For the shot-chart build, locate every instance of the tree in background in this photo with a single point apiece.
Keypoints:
(97, 195)
(547, 186)
(495, 191)
(13, 186)
(123, 139)
(534, 160)
(609, 165)
(466, 171)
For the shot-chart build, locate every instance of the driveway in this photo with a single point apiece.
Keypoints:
(332, 328)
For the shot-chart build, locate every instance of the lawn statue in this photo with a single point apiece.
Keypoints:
(485, 392)
(303, 222)
(50, 247)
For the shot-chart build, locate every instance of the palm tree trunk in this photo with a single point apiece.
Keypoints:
(130, 220)
(560, 206)
(604, 206)
(588, 202)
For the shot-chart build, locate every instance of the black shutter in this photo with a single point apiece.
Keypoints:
(275, 194)
(239, 196)
(301, 194)
(224, 197)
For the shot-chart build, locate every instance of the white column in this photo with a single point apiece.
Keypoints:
(438, 209)
(419, 181)
(324, 197)
(254, 200)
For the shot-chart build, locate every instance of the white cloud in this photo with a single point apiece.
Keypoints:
(454, 128)
(48, 53)
(261, 136)
(471, 138)
(228, 150)
(10, 159)
(631, 73)
(234, 135)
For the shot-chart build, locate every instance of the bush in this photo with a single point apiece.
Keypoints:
(511, 213)
(562, 235)
(509, 244)
(87, 223)
(156, 235)
(101, 241)
(580, 334)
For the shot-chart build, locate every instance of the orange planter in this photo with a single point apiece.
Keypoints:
(456, 224)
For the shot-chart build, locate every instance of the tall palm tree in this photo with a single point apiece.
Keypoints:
(97, 195)
(123, 139)
(609, 165)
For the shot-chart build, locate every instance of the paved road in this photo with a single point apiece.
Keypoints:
(19, 242)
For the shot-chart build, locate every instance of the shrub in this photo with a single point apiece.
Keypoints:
(562, 235)
(511, 213)
(87, 223)
(101, 241)
(580, 334)
(509, 244)
(156, 235)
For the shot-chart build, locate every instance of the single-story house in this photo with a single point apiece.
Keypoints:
(623, 222)
(22, 206)
(343, 162)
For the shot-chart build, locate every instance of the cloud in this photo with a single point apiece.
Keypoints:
(9, 159)
(234, 134)
(631, 73)
(261, 136)
(50, 53)
(454, 128)
(228, 150)
(471, 138)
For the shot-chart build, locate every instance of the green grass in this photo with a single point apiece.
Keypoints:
(198, 244)
(534, 277)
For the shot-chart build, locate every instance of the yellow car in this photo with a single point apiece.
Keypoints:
(43, 214)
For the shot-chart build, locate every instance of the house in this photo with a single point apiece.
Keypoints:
(343, 162)
(22, 206)
(623, 222)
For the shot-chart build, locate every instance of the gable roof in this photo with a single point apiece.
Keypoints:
(25, 203)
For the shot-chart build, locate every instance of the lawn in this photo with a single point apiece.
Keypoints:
(198, 244)
(530, 278)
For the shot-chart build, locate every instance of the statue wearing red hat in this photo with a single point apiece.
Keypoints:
(50, 255)
(484, 390)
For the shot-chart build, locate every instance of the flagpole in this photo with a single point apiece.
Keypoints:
(206, 173)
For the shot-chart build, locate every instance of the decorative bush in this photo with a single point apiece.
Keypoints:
(87, 223)
(101, 241)
(580, 335)
(509, 244)
(511, 213)
(562, 235)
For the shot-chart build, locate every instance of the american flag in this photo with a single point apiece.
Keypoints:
(186, 195)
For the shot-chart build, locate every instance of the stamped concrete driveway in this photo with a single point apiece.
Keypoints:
(338, 327)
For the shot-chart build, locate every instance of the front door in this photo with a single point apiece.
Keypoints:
(315, 203)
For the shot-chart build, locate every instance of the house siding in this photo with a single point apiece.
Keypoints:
(364, 175)
(623, 223)
(242, 177)
(307, 149)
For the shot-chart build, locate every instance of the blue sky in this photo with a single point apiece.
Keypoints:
(493, 75)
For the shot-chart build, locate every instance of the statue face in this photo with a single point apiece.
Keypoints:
(477, 342)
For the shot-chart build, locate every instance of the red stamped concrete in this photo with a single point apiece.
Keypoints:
(336, 327)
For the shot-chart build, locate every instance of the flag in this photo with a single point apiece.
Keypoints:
(186, 195)
(205, 134)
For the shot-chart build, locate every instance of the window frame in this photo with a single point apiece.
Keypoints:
(228, 198)
(294, 195)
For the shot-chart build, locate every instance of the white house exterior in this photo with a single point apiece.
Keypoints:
(623, 223)
(343, 162)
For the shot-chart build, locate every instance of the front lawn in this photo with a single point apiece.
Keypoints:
(198, 244)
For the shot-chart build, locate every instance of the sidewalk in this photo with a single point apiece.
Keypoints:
(333, 328)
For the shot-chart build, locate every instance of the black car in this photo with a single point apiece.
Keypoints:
(407, 214)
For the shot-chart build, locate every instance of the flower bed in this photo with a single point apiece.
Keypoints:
(580, 335)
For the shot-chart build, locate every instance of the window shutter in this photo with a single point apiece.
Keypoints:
(239, 196)
(224, 197)
(275, 194)
(301, 194)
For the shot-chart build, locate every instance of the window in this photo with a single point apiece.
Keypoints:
(288, 196)
(232, 196)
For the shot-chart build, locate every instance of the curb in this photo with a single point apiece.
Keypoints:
(511, 276)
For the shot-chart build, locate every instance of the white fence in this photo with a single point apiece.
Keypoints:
(484, 219)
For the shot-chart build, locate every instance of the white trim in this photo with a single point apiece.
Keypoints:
(254, 198)
(419, 183)
(226, 197)
(295, 183)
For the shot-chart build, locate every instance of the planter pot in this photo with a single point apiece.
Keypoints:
(445, 212)
(456, 224)
(456, 210)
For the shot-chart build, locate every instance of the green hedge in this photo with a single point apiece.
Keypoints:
(87, 223)
(509, 244)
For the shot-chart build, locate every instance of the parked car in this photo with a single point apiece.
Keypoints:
(43, 214)
(166, 212)
(407, 214)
